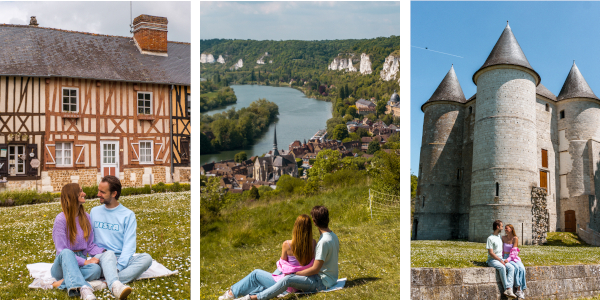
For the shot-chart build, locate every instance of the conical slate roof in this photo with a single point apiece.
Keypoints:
(507, 52)
(448, 90)
(543, 91)
(575, 86)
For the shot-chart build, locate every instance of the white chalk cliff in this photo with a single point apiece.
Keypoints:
(365, 64)
(220, 59)
(339, 63)
(238, 65)
(207, 58)
(391, 68)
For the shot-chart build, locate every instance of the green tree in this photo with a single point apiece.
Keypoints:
(211, 198)
(205, 145)
(289, 184)
(253, 193)
(240, 157)
(351, 111)
(373, 147)
(340, 132)
(252, 76)
(327, 161)
(380, 108)
(414, 180)
(384, 171)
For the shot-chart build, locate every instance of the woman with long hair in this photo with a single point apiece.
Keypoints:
(297, 254)
(510, 254)
(73, 237)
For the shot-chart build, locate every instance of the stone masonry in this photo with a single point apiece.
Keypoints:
(550, 282)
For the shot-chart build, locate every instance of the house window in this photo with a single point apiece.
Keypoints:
(64, 154)
(144, 103)
(188, 104)
(547, 107)
(423, 203)
(16, 163)
(458, 174)
(544, 158)
(497, 189)
(562, 114)
(69, 102)
(145, 152)
(470, 109)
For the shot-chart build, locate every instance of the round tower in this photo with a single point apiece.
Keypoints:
(438, 189)
(579, 147)
(504, 169)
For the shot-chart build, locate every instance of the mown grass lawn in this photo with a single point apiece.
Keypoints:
(563, 248)
(163, 232)
(249, 237)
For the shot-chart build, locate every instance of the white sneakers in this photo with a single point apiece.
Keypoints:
(509, 293)
(39, 283)
(87, 293)
(120, 291)
(97, 285)
(228, 295)
(520, 294)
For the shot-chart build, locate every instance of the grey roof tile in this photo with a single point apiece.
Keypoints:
(448, 90)
(575, 86)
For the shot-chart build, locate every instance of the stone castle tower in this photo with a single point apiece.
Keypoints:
(486, 157)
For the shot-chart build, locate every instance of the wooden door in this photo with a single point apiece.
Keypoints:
(109, 158)
(570, 221)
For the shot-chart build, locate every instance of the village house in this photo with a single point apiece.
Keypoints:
(365, 107)
(393, 105)
(77, 106)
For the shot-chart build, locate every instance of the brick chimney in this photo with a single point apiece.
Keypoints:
(150, 34)
(33, 21)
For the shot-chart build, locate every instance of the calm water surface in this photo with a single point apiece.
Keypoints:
(299, 118)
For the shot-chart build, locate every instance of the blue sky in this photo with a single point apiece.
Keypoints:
(298, 20)
(551, 34)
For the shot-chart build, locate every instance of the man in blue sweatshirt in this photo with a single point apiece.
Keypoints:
(115, 230)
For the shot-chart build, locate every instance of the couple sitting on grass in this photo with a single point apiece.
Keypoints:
(503, 254)
(108, 235)
(305, 265)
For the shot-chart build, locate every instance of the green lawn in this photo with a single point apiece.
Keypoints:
(249, 237)
(163, 232)
(562, 249)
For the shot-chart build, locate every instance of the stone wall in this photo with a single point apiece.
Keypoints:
(539, 211)
(132, 177)
(182, 174)
(436, 214)
(503, 152)
(20, 185)
(160, 174)
(56, 179)
(547, 139)
(551, 282)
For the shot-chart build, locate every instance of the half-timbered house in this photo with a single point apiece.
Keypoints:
(181, 129)
(76, 106)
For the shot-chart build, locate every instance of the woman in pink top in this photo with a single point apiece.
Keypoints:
(510, 254)
(297, 254)
(73, 237)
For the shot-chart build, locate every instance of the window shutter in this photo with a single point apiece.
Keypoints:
(544, 179)
(49, 155)
(31, 148)
(135, 152)
(184, 148)
(4, 161)
(544, 158)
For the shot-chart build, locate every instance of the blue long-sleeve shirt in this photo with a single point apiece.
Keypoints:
(115, 230)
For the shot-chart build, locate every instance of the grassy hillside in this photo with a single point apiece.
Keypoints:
(248, 236)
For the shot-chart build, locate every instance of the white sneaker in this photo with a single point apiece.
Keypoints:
(228, 295)
(247, 297)
(40, 283)
(520, 294)
(87, 293)
(97, 285)
(120, 291)
(509, 293)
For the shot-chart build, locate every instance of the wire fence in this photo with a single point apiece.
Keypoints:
(383, 206)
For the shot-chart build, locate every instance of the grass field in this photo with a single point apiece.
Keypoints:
(562, 249)
(249, 237)
(163, 232)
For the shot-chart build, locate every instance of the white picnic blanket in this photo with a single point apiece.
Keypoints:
(338, 286)
(42, 270)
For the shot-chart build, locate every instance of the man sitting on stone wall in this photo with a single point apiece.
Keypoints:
(507, 271)
(115, 230)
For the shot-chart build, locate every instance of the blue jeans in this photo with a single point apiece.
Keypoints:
(519, 273)
(137, 265)
(507, 273)
(262, 284)
(65, 267)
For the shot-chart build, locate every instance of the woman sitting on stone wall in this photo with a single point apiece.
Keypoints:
(510, 254)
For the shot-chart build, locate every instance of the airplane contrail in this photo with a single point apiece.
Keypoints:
(437, 51)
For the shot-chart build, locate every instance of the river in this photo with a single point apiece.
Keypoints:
(299, 118)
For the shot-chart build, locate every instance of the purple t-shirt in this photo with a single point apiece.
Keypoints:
(60, 235)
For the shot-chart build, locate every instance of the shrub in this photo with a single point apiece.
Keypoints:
(17, 198)
(91, 192)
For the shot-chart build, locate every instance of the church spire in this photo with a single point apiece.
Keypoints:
(449, 89)
(275, 151)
